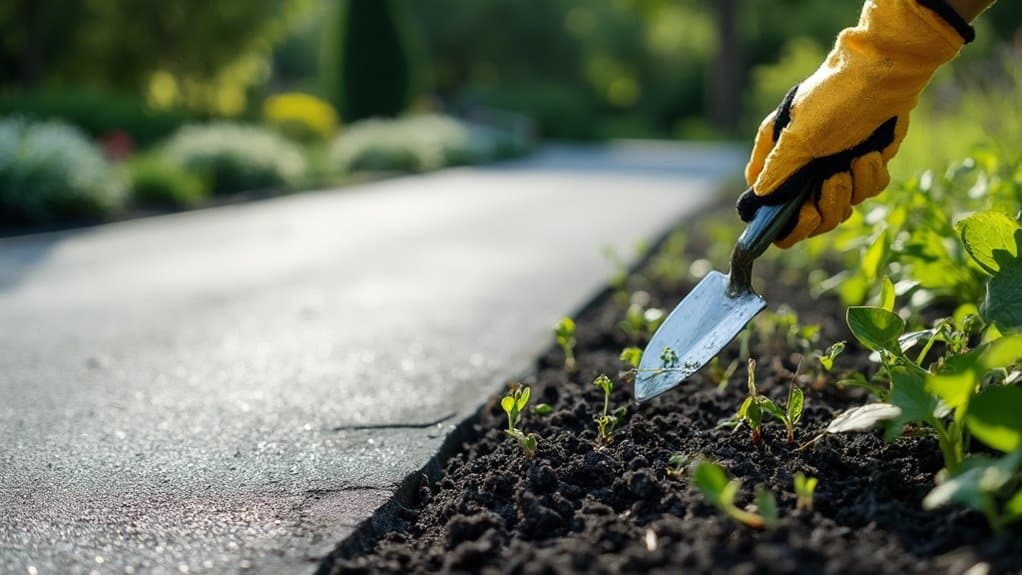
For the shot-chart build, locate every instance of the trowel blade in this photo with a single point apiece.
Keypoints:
(698, 328)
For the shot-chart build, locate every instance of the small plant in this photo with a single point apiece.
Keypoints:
(543, 409)
(792, 411)
(827, 358)
(631, 356)
(720, 491)
(565, 333)
(513, 404)
(668, 358)
(751, 411)
(607, 422)
(677, 464)
(804, 488)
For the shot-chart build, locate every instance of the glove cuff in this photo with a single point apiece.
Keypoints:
(945, 11)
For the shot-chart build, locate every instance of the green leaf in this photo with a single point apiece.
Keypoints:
(909, 393)
(1003, 303)
(876, 328)
(992, 239)
(771, 408)
(978, 479)
(603, 382)
(711, 480)
(753, 414)
(632, 356)
(887, 295)
(508, 403)
(1003, 352)
(796, 401)
(994, 418)
(1013, 508)
(875, 256)
(565, 328)
(543, 409)
(954, 389)
(766, 505)
(523, 398)
(863, 417)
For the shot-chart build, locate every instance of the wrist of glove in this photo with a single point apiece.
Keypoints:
(841, 126)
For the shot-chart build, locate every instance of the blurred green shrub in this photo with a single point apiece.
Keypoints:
(96, 113)
(366, 64)
(50, 172)
(300, 117)
(154, 181)
(419, 143)
(237, 158)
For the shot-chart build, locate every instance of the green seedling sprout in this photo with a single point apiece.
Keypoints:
(668, 358)
(543, 409)
(677, 464)
(720, 491)
(751, 411)
(513, 404)
(804, 488)
(565, 333)
(607, 421)
(827, 358)
(631, 356)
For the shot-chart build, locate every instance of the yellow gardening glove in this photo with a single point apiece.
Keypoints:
(845, 122)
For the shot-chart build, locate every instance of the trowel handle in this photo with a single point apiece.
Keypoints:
(766, 225)
(771, 220)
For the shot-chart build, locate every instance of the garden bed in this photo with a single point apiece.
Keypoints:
(578, 506)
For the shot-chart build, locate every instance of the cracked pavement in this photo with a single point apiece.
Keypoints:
(235, 389)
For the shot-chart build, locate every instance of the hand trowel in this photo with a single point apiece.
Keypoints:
(713, 313)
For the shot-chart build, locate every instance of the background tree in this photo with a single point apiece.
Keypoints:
(366, 66)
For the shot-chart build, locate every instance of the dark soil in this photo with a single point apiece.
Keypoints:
(582, 508)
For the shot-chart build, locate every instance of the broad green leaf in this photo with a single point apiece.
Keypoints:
(1003, 303)
(909, 393)
(796, 401)
(887, 295)
(992, 239)
(508, 403)
(876, 328)
(543, 409)
(954, 389)
(711, 480)
(1003, 352)
(863, 417)
(743, 410)
(994, 418)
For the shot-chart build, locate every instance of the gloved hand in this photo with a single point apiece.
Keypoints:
(845, 122)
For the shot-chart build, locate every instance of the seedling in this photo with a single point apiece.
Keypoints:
(631, 356)
(513, 404)
(720, 491)
(827, 358)
(804, 488)
(565, 333)
(640, 322)
(792, 410)
(543, 409)
(607, 422)
(751, 411)
(668, 358)
(677, 464)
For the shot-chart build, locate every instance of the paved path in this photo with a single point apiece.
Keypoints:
(198, 392)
